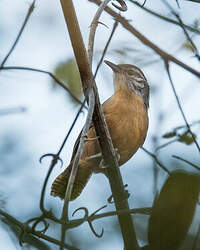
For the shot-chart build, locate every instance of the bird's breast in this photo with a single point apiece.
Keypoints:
(127, 120)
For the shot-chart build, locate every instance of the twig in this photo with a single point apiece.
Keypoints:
(99, 123)
(28, 229)
(106, 47)
(44, 72)
(193, 46)
(94, 24)
(166, 144)
(180, 107)
(93, 28)
(56, 157)
(186, 161)
(109, 156)
(165, 18)
(30, 10)
(177, 3)
(75, 163)
(146, 41)
(156, 160)
(144, 211)
(195, 1)
(144, 3)
(87, 82)
(176, 134)
(77, 222)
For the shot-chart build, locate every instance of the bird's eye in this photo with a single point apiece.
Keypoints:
(130, 72)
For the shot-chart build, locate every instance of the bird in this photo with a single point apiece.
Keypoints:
(126, 114)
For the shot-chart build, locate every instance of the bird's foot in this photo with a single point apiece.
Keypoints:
(125, 196)
(96, 156)
(102, 163)
(91, 139)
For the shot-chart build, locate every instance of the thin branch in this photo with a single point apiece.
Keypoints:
(166, 144)
(28, 229)
(156, 160)
(144, 211)
(193, 46)
(93, 28)
(100, 124)
(79, 150)
(195, 1)
(77, 222)
(180, 107)
(44, 72)
(55, 159)
(109, 156)
(186, 161)
(30, 10)
(78, 45)
(146, 41)
(177, 3)
(106, 47)
(177, 135)
(165, 18)
(75, 164)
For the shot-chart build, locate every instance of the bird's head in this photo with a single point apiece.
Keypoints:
(131, 78)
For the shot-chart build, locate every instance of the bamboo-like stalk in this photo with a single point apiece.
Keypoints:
(105, 141)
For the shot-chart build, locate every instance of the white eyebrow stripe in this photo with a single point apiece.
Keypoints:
(139, 79)
(138, 72)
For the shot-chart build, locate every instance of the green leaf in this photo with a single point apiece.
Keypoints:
(68, 72)
(187, 46)
(173, 211)
(169, 134)
(186, 138)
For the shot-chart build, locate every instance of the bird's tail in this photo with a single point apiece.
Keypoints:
(59, 185)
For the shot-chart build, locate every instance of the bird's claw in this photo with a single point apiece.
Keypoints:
(102, 163)
(125, 196)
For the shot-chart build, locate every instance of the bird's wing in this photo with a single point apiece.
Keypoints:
(77, 143)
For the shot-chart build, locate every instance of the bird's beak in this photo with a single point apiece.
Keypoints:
(113, 66)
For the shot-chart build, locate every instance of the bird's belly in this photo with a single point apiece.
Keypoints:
(131, 137)
(128, 131)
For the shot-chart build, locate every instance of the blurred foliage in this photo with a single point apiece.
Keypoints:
(139, 55)
(187, 45)
(173, 211)
(186, 137)
(181, 134)
(67, 71)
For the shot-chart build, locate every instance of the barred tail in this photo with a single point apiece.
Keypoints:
(59, 185)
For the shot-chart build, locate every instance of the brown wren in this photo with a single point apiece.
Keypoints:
(127, 119)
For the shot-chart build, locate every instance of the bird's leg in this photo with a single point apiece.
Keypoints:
(99, 155)
(102, 164)
(126, 195)
(91, 139)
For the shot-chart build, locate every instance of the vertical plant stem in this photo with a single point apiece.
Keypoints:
(105, 141)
